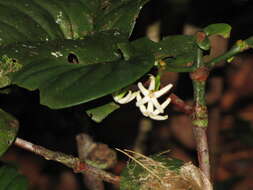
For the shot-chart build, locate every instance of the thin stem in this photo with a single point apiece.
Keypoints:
(239, 46)
(233, 51)
(72, 162)
(180, 104)
(200, 116)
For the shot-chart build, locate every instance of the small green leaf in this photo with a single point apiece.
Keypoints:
(8, 131)
(10, 179)
(218, 29)
(97, 114)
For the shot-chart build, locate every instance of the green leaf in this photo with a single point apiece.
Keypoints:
(45, 20)
(10, 179)
(218, 29)
(179, 49)
(82, 83)
(101, 69)
(99, 113)
(8, 131)
(37, 35)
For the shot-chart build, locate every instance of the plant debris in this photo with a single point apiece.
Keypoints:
(158, 172)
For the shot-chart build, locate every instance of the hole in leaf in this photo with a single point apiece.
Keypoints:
(72, 58)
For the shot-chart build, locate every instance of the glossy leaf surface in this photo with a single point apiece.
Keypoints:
(101, 69)
(48, 37)
(45, 20)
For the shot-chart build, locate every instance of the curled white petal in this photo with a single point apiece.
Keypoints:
(134, 94)
(157, 105)
(143, 90)
(158, 117)
(125, 99)
(145, 112)
(138, 97)
(141, 106)
(163, 90)
(150, 107)
(142, 101)
(122, 99)
(166, 103)
(152, 83)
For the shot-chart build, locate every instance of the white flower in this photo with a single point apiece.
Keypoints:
(153, 108)
(148, 104)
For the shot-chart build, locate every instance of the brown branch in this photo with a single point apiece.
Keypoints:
(180, 104)
(202, 149)
(72, 162)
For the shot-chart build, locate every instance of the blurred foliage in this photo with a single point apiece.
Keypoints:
(8, 130)
(11, 179)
